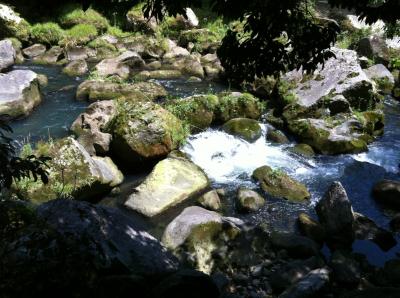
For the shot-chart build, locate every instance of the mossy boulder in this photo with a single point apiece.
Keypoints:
(94, 90)
(188, 65)
(19, 93)
(203, 39)
(276, 136)
(198, 110)
(12, 25)
(161, 74)
(76, 68)
(383, 78)
(238, 105)
(311, 228)
(196, 233)
(137, 22)
(144, 132)
(172, 181)
(278, 184)
(146, 46)
(303, 149)
(120, 66)
(89, 17)
(247, 129)
(73, 173)
(47, 33)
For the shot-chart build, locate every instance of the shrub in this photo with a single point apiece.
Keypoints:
(79, 35)
(47, 33)
(88, 17)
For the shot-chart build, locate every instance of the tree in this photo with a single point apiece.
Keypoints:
(276, 36)
(16, 168)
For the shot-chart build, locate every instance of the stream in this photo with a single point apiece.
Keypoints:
(229, 161)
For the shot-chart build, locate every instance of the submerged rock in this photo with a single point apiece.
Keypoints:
(278, 184)
(249, 200)
(172, 181)
(197, 232)
(144, 132)
(303, 149)
(72, 173)
(247, 129)
(7, 54)
(19, 93)
(336, 215)
(387, 192)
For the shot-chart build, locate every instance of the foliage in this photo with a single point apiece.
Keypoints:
(88, 17)
(348, 38)
(80, 35)
(13, 168)
(47, 33)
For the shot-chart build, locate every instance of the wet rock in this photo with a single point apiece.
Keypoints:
(76, 68)
(278, 184)
(366, 229)
(162, 74)
(303, 149)
(309, 285)
(395, 223)
(52, 56)
(387, 192)
(187, 65)
(247, 129)
(19, 93)
(211, 201)
(338, 104)
(172, 181)
(199, 230)
(297, 246)
(375, 48)
(336, 215)
(144, 132)
(311, 228)
(89, 127)
(176, 52)
(249, 200)
(43, 80)
(34, 50)
(77, 53)
(120, 66)
(276, 136)
(147, 47)
(69, 161)
(346, 268)
(7, 54)
(382, 76)
(99, 90)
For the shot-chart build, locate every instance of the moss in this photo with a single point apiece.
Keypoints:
(88, 17)
(79, 35)
(47, 33)
(117, 32)
(286, 94)
(248, 129)
(348, 38)
(20, 31)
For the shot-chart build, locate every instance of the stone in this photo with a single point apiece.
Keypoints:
(176, 52)
(237, 105)
(12, 25)
(89, 127)
(172, 181)
(200, 231)
(387, 192)
(137, 22)
(120, 66)
(346, 269)
(7, 54)
(247, 129)
(76, 68)
(34, 50)
(296, 246)
(188, 65)
(161, 74)
(382, 76)
(144, 132)
(249, 200)
(278, 184)
(311, 228)
(43, 80)
(375, 48)
(97, 175)
(336, 215)
(52, 56)
(147, 47)
(19, 93)
(309, 285)
(77, 53)
(191, 18)
(211, 201)
(303, 149)
(276, 136)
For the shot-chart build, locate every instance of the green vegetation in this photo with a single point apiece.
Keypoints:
(47, 33)
(79, 35)
(348, 38)
(88, 17)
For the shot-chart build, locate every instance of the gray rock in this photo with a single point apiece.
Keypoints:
(78, 53)
(211, 201)
(76, 68)
(19, 93)
(311, 228)
(387, 192)
(382, 76)
(52, 56)
(375, 48)
(34, 50)
(248, 200)
(7, 54)
(297, 246)
(172, 181)
(309, 285)
(276, 136)
(346, 269)
(336, 215)
(191, 18)
(121, 65)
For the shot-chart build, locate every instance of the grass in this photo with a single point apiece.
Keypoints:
(89, 17)
(47, 33)
(80, 35)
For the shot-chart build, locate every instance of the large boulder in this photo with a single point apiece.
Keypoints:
(34, 50)
(387, 192)
(72, 173)
(144, 132)
(76, 247)
(51, 57)
(7, 54)
(336, 215)
(172, 181)
(12, 25)
(375, 48)
(120, 66)
(198, 233)
(247, 129)
(278, 184)
(382, 76)
(19, 93)
(188, 65)
(93, 90)
(90, 127)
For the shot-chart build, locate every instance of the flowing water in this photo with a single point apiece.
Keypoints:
(229, 161)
